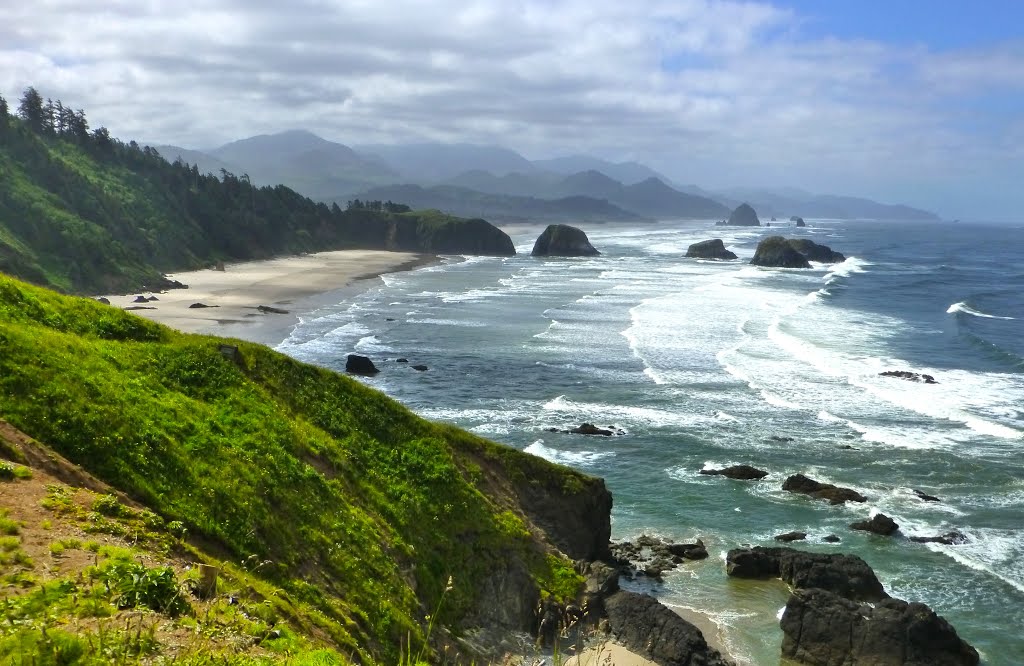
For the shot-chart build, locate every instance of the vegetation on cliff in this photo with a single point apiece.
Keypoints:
(341, 512)
(83, 212)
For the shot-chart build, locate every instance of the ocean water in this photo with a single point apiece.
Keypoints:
(716, 363)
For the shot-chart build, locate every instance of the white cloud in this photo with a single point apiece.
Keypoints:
(713, 92)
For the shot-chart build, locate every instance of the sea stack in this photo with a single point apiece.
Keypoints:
(776, 252)
(709, 249)
(744, 216)
(562, 240)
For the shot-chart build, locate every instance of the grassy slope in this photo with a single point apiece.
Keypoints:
(364, 509)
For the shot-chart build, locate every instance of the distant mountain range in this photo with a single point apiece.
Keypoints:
(498, 183)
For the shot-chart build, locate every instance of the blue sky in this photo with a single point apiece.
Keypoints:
(902, 101)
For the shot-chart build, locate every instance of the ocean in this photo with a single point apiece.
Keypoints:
(707, 364)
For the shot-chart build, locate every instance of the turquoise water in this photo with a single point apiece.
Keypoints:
(706, 363)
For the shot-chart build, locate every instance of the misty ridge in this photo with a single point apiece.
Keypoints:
(502, 185)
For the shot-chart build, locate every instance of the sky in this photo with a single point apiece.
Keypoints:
(901, 101)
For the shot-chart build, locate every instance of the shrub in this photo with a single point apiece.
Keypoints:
(135, 585)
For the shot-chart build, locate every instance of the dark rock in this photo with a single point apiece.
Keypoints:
(689, 551)
(389, 319)
(742, 472)
(744, 216)
(925, 496)
(271, 310)
(140, 299)
(791, 536)
(420, 368)
(879, 524)
(773, 218)
(798, 483)
(799, 220)
(104, 300)
(822, 628)
(776, 252)
(831, 538)
(815, 252)
(202, 305)
(360, 365)
(953, 538)
(780, 438)
(139, 307)
(590, 429)
(401, 360)
(561, 240)
(909, 376)
(645, 626)
(847, 447)
(709, 249)
(846, 575)
(152, 298)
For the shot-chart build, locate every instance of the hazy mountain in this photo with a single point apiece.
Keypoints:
(515, 184)
(501, 207)
(590, 184)
(785, 202)
(653, 198)
(624, 172)
(206, 163)
(438, 162)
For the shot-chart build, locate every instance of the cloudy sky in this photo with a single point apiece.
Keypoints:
(922, 103)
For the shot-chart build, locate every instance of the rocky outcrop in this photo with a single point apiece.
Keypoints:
(709, 249)
(878, 524)
(650, 556)
(776, 252)
(798, 483)
(846, 575)
(791, 536)
(909, 376)
(419, 367)
(925, 496)
(562, 240)
(824, 629)
(799, 220)
(427, 231)
(952, 538)
(815, 252)
(744, 216)
(269, 309)
(741, 472)
(360, 365)
(590, 429)
(645, 626)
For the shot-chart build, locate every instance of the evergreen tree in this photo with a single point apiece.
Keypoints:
(31, 110)
(3, 113)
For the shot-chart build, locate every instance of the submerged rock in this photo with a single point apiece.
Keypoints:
(360, 365)
(741, 472)
(709, 249)
(831, 538)
(202, 305)
(909, 376)
(798, 483)
(270, 310)
(420, 367)
(791, 536)
(776, 252)
(925, 496)
(744, 216)
(846, 575)
(879, 524)
(952, 538)
(820, 627)
(562, 240)
(590, 429)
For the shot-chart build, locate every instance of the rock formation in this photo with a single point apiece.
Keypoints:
(798, 483)
(709, 249)
(744, 216)
(741, 472)
(652, 630)
(822, 628)
(925, 496)
(360, 365)
(561, 240)
(909, 376)
(846, 575)
(791, 536)
(815, 252)
(879, 524)
(775, 251)
(799, 220)
(952, 538)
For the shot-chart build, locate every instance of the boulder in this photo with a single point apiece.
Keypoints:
(776, 252)
(909, 376)
(642, 624)
(562, 240)
(709, 249)
(420, 368)
(270, 310)
(744, 216)
(590, 429)
(689, 551)
(952, 538)
(360, 365)
(824, 629)
(846, 575)
(798, 483)
(741, 472)
(831, 538)
(195, 306)
(791, 536)
(925, 496)
(401, 360)
(879, 524)
(815, 252)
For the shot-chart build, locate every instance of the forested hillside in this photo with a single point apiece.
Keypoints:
(83, 212)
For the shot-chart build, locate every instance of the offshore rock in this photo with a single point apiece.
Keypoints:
(909, 376)
(645, 626)
(744, 216)
(798, 483)
(776, 252)
(791, 536)
(879, 524)
(590, 429)
(562, 240)
(709, 249)
(845, 575)
(360, 365)
(952, 538)
(799, 220)
(741, 472)
(815, 252)
(925, 496)
(824, 629)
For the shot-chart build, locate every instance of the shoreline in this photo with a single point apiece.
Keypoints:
(295, 285)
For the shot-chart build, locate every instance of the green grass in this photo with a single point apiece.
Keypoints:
(354, 508)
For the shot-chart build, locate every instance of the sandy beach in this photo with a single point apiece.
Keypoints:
(295, 285)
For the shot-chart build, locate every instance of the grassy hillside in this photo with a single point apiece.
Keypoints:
(357, 512)
(89, 214)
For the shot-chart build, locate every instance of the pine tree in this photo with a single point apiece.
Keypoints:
(31, 110)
